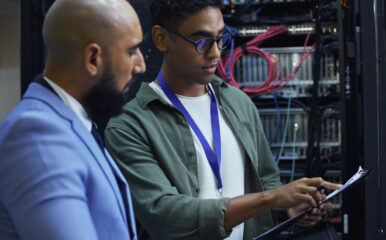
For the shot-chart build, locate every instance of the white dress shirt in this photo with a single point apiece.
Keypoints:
(72, 103)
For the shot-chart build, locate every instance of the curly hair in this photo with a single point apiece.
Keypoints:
(170, 13)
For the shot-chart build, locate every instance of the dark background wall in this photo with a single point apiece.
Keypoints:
(9, 56)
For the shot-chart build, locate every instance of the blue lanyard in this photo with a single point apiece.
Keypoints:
(215, 162)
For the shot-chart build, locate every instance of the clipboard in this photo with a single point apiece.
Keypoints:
(357, 177)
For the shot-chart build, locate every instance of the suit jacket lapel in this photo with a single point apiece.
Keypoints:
(95, 150)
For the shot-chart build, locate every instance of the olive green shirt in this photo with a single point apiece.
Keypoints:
(153, 145)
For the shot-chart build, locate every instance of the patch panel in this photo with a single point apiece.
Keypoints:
(252, 70)
(251, 31)
(330, 132)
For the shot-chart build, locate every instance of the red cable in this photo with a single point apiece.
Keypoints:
(272, 82)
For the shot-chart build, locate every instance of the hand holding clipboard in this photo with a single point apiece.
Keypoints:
(357, 177)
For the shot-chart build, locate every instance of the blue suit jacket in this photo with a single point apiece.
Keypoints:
(55, 181)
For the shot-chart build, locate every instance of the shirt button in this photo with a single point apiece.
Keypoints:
(190, 154)
(180, 120)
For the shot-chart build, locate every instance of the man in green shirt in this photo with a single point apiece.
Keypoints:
(192, 147)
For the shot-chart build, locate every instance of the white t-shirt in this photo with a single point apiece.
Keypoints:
(232, 155)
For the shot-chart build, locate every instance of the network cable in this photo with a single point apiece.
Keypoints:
(277, 121)
(278, 156)
(272, 83)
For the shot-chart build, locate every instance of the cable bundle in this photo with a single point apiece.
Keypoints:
(272, 83)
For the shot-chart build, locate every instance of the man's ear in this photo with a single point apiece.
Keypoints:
(161, 38)
(92, 59)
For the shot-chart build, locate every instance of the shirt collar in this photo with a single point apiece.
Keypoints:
(72, 103)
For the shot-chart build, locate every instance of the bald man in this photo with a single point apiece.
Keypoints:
(57, 180)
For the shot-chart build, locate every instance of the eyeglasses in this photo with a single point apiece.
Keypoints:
(205, 44)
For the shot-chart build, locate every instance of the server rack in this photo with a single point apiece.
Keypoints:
(352, 141)
(302, 119)
(364, 134)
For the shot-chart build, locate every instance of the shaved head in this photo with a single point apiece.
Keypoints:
(72, 24)
(93, 52)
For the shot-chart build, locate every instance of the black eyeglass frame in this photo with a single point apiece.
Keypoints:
(196, 43)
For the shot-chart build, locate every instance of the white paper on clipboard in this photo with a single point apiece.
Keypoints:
(358, 175)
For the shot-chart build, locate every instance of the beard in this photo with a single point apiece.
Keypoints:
(104, 101)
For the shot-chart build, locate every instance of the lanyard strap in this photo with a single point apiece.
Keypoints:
(214, 162)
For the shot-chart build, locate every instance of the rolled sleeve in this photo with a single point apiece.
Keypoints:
(211, 219)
